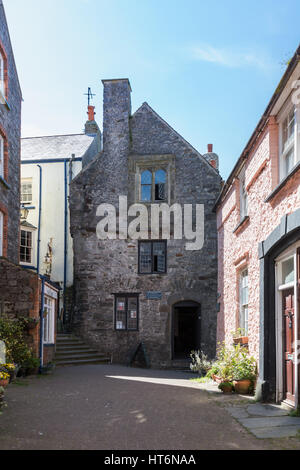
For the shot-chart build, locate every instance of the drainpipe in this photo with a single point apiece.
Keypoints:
(42, 326)
(65, 241)
(39, 223)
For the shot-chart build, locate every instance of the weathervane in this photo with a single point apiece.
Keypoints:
(90, 96)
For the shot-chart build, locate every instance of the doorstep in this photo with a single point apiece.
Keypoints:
(266, 421)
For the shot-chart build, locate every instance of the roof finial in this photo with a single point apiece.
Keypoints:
(90, 95)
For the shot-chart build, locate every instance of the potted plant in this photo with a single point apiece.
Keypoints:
(4, 379)
(200, 363)
(244, 372)
(31, 365)
(240, 336)
(226, 386)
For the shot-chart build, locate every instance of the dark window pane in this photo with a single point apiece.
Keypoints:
(159, 257)
(145, 258)
(160, 192)
(132, 313)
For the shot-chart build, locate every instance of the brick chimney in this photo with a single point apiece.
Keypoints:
(212, 157)
(91, 127)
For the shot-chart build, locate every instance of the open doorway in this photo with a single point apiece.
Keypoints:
(186, 331)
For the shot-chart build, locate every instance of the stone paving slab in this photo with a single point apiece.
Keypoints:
(266, 410)
(266, 421)
(276, 432)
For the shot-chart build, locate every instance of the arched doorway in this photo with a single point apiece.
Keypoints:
(186, 329)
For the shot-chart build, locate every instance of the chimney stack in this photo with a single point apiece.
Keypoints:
(91, 127)
(212, 157)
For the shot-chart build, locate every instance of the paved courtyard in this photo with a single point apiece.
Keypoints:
(111, 407)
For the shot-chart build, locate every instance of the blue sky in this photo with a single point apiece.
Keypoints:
(208, 68)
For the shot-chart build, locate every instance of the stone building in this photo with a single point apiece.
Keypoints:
(258, 216)
(48, 165)
(150, 291)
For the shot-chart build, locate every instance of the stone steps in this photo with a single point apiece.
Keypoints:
(73, 351)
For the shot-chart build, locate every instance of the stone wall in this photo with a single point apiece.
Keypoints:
(20, 297)
(102, 268)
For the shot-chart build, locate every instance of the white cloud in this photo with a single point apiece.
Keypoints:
(230, 57)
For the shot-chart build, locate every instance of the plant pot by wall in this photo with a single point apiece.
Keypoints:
(242, 386)
(4, 382)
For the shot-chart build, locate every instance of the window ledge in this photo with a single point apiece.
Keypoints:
(241, 224)
(283, 183)
(4, 182)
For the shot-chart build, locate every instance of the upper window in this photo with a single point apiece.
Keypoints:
(153, 185)
(126, 312)
(1, 156)
(26, 247)
(244, 301)
(243, 196)
(26, 191)
(2, 74)
(288, 142)
(152, 257)
(1, 232)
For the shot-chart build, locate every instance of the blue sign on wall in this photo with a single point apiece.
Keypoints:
(153, 295)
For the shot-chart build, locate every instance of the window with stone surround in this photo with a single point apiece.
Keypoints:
(126, 312)
(49, 320)
(288, 141)
(244, 294)
(152, 257)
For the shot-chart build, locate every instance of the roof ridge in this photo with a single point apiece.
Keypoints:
(56, 135)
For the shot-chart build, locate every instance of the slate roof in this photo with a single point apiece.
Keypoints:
(56, 146)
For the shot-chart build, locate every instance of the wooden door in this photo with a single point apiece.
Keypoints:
(288, 343)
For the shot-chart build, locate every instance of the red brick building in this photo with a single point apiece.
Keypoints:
(22, 293)
(258, 217)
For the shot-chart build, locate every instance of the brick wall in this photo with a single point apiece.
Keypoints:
(10, 128)
(240, 248)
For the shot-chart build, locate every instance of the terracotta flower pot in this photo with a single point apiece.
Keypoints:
(4, 382)
(241, 340)
(217, 379)
(242, 386)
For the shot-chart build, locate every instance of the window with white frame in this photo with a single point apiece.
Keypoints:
(1, 232)
(26, 246)
(49, 317)
(2, 72)
(244, 294)
(1, 156)
(288, 141)
(243, 195)
(26, 191)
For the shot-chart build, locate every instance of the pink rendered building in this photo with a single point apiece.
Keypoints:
(258, 217)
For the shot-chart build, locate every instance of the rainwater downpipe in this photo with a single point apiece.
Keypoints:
(39, 222)
(42, 325)
(65, 241)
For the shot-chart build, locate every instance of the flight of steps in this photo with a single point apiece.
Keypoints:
(71, 350)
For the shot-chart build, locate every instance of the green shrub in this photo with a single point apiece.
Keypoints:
(12, 333)
(200, 362)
